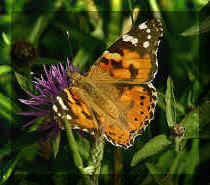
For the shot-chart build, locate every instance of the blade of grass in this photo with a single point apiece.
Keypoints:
(155, 8)
(131, 11)
(6, 172)
(42, 23)
(6, 39)
(114, 24)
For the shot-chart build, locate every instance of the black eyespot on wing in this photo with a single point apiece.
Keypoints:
(104, 60)
(116, 65)
(151, 115)
(133, 71)
(142, 97)
(141, 103)
(154, 97)
(153, 105)
(146, 122)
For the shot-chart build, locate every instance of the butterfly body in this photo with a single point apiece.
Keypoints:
(116, 95)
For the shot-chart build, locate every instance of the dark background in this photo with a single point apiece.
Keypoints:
(40, 27)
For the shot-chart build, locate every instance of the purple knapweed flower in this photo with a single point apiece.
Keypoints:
(49, 86)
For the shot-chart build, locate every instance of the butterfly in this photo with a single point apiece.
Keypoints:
(116, 95)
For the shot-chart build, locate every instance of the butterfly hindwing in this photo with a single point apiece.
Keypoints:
(136, 105)
(81, 113)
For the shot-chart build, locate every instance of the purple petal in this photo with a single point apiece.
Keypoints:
(31, 122)
(49, 87)
(40, 113)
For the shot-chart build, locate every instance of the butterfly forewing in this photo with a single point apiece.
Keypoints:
(132, 58)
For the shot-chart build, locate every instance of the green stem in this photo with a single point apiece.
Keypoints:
(96, 158)
(76, 156)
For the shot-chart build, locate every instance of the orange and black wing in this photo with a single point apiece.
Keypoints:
(137, 105)
(77, 111)
(132, 58)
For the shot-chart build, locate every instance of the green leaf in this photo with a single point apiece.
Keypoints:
(83, 147)
(151, 148)
(6, 39)
(162, 104)
(24, 82)
(165, 160)
(198, 28)
(5, 102)
(204, 112)
(5, 114)
(5, 107)
(191, 124)
(56, 144)
(170, 103)
(6, 172)
(161, 101)
(192, 159)
(5, 69)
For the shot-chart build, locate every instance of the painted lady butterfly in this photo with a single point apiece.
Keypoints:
(116, 95)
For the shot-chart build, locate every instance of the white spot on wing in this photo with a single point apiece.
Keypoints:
(76, 127)
(55, 108)
(60, 101)
(134, 41)
(146, 44)
(129, 38)
(85, 130)
(149, 37)
(106, 51)
(68, 117)
(142, 26)
(148, 30)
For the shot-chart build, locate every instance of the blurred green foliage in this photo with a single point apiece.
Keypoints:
(157, 157)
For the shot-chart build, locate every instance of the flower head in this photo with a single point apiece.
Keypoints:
(49, 86)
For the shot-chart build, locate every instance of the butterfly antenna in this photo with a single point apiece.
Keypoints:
(69, 45)
(131, 10)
